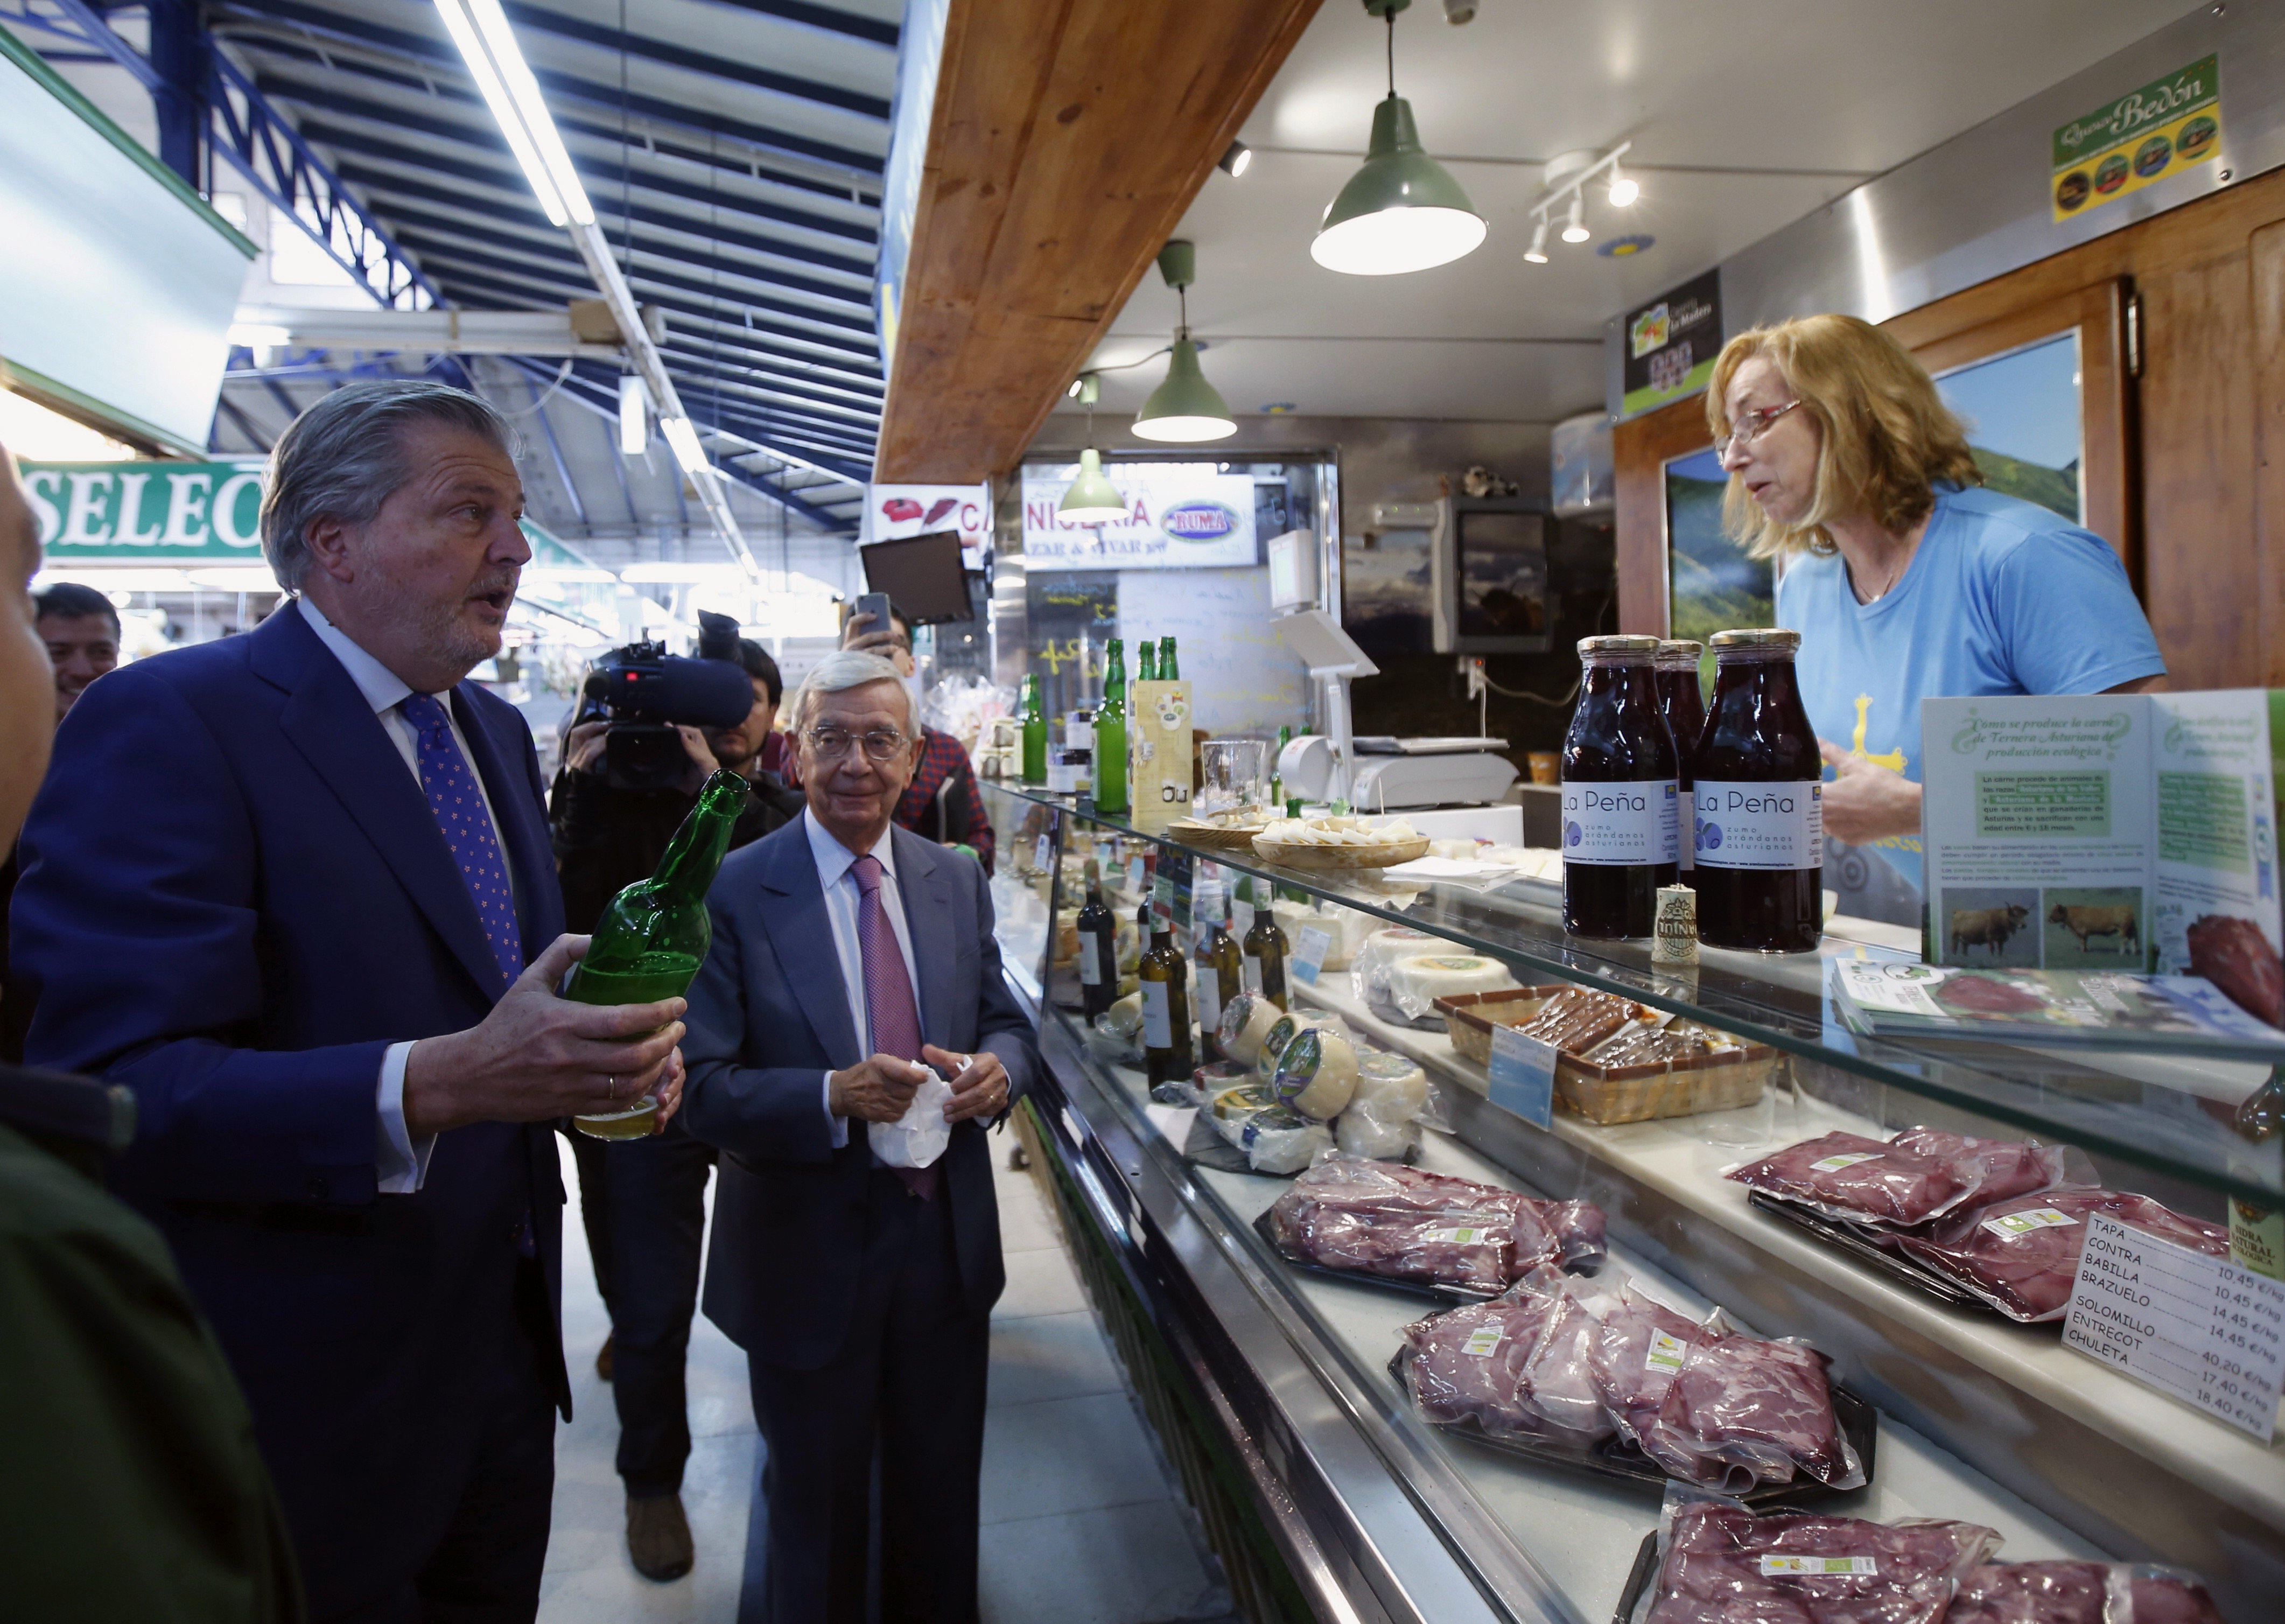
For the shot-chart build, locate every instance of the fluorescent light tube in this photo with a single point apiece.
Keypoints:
(682, 440)
(481, 31)
(492, 22)
(634, 422)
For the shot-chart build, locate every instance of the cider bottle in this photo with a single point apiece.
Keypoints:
(1167, 670)
(1035, 731)
(1683, 704)
(1761, 810)
(1146, 661)
(1110, 735)
(1620, 793)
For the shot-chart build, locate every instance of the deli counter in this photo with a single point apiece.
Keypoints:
(1279, 1389)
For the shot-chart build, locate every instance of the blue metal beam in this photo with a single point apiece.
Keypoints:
(820, 17)
(555, 448)
(540, 19)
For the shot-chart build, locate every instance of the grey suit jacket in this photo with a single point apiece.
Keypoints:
(769, 1015)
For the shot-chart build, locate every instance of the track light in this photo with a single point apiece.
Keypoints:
(1236, 162)
(479, 28)
(1457, 11)
(1623, 190)
(634, 415)
(1576, 230)
(1536, 254)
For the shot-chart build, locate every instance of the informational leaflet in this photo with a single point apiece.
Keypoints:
(1523, 1075)
(2106, 832)
(2198, 1329)
(1309, 953)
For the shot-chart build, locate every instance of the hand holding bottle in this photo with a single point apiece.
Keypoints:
(536, 1056)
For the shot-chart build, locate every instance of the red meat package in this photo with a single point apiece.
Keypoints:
(1991, 1169)
(2081, 1593)
(1517, 1366)
(1638, 1347)
(1739, 1412)
(1474, 1250)
(1381, 1218)
(2022, 1256)
(1858, 1180)
(1720, 1563)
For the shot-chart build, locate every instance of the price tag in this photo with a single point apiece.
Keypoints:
(1523, 1075)
(1134, 873)
(1483, 1341)
(1042, 854)
(2198, 1329)
(1309, 953)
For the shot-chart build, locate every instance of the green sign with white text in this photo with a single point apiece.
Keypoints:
(147, 512)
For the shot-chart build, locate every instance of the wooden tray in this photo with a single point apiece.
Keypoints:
(1722, 1080)
(1298, 856)
(1209, 838)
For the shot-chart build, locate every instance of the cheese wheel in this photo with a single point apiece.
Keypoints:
(1435, 976)
(1125, 1018)
(1245, 1020)
(1391, 1086)
(1231, 1109)
(1318, 1074)
(1402, 942)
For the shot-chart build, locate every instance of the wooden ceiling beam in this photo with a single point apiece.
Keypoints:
(1066, 142)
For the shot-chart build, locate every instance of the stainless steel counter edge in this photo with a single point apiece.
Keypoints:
(1374, 1528)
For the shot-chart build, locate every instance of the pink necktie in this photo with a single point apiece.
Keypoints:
(889, 1004)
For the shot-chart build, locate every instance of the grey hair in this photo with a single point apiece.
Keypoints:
(344, 458)
(848, 668)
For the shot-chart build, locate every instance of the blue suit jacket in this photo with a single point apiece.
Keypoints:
(769, 1015)
(234, 897)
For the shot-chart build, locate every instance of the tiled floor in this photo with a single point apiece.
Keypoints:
(1081, 1522)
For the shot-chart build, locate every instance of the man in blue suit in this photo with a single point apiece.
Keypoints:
(294, 889)
(847, 954)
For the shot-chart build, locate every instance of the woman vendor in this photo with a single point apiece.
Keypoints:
(1904, 579)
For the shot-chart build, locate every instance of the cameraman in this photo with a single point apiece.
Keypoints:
(642, 1202)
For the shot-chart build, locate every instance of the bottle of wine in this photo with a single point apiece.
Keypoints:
(1110, 735)
(1035, 731)
(1098, 948)
(1264, 954)
(1146, 665)
(1165, 1009)
(1220, 963)
(652, 935)
(1167, 668)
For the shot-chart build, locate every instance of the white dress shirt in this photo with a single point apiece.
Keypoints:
(843, 900)
(401, 1163)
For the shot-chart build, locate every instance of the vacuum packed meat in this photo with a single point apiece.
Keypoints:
(2080, 1593)
(1577, 1018)
(1483, 1365)
(1740, 1412)
(2021, 1255)
(1640, 1043)
(1474, 1250)
(1638, 1347)
(1384, 1219)
(1988, 1169)
(1722, 1565)
(2233, 954)
(1858, 1180)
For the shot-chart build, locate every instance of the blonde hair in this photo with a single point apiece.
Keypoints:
(1885, 436)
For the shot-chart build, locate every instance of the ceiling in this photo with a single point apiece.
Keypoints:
(1744, 116)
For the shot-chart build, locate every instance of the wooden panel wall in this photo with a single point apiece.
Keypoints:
(2208, 411)
(1068, 138)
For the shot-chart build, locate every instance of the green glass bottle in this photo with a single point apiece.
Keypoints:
(1146, 663)
(1167, 672)
(1110, 735)
(1035, 731)
(1263, 953)
(652, 935)
(1276, 782)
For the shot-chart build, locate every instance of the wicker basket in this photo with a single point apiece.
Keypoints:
(1299, 855)
(1723, 1080)
(1210, 838)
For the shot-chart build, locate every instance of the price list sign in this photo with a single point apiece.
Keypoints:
(2199, 1329)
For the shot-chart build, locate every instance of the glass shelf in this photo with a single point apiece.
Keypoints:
(2211, 1122)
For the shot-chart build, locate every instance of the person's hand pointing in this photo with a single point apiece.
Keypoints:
(1866, 802)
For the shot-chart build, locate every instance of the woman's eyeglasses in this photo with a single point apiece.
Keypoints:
(1752, 426)
(881, 745)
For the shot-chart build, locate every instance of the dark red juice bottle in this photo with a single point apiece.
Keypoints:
(1761, 814)
(1620, 814)
(1683, 703)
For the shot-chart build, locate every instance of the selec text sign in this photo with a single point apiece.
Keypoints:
(146, 512)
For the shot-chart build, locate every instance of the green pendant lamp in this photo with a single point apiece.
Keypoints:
(1092, 498)
(1402, 211)
(1185, 409)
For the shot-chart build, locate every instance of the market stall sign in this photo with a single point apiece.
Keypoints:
(1671, 343)
(2143, 136)
(140, 512)
(893, 512)
(1178, 517)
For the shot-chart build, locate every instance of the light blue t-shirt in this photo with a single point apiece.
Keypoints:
(2000, 597)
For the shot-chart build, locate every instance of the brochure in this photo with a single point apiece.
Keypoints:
(2108, 832)
(2183, 1013)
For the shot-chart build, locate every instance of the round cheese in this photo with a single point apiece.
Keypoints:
(1245, 1021)
(1433, 976)
(1391, 1086)
(1125, 1018)
(1318, 1074)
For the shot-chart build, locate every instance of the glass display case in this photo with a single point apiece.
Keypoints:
(1972, 1416)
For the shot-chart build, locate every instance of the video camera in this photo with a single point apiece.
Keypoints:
(647, 692)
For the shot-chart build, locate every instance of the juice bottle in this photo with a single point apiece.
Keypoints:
(1620, 793)
(1683, 704)
(1761, 815)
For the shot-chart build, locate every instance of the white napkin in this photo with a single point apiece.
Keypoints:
(918, 1137)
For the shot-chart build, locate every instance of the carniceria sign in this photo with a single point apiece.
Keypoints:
(2143, 136)
(142, 513)
(1179, 516)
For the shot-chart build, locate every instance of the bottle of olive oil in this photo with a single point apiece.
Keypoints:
(1166, 976)
(1098, 948)
(1264, 953)
(1220, 963)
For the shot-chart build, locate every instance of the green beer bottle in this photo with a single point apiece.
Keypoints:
(1167, 668)
(652, 937)
(1110, 735)
(1146, 661)
(1035, 731)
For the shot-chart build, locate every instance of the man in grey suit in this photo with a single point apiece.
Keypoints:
(847, 950)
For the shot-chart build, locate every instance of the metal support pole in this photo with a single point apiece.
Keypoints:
(179, 55)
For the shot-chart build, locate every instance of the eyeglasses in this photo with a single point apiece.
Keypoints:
(1752, 426)
(881, 745)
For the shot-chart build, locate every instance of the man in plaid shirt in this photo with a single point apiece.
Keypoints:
(942, 803)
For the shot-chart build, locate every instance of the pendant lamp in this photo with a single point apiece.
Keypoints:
(1186, 408)
(1402, 211)
(1092, 498)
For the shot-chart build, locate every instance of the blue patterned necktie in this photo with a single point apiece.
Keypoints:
(454, 797)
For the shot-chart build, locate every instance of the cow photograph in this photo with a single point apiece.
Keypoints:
(2090, 926)
(1990, 925)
